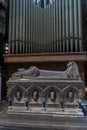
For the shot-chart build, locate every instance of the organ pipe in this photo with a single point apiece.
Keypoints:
(79, 25)
(54, 24)
(20, 26)
(48, 27)
(26, 24)
(56, 15)
(67, 23)
(17, 21)
(60, 25)
(51, 27)
(75, 24)
(28, 27)
(12, 25)
(10, 28)
(71, 25)
(63, 24)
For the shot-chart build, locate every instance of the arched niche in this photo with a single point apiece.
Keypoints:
(52, 94)
(16, 93)
(33, 93)
(70, 94)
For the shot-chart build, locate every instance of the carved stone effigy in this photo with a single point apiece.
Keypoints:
(35, 91)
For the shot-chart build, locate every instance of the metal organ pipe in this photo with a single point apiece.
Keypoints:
(29, 27)
(51, 31)
(79, 25)
(59, 26)
(49, 28)
(10, 28)
(26, 24)
(54, 19)
(44, 27)
(67, 23)
(71, 26)
(20, 24)
(63, 25)
(17, 25)
(57, 21)
(75, 24)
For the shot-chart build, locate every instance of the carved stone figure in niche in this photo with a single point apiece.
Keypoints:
(52, 96)
(35, 95)
(70, 96)
(18, 95)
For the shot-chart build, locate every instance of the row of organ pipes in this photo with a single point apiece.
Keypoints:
(51, 29)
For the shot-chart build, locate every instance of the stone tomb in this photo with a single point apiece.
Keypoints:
(43, 92)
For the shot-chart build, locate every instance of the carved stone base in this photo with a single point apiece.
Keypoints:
(46, 112)
(45, 97)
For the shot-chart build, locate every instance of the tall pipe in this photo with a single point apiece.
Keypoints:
(67, 25)
(17, 26)
(40, 29)
(26, 24)
(71, 25)
(79, 24)
(13, 27)
(50, 17)
(29, 26)
(63, 25)
(20, 28)
(75, 24)
(55, 28)
(60, 25)
(10, 25)
(56, 15)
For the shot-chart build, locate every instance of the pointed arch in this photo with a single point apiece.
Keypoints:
(70, 88)
(31, 89)
(66, 90)
(14, 88)
(51, 88)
